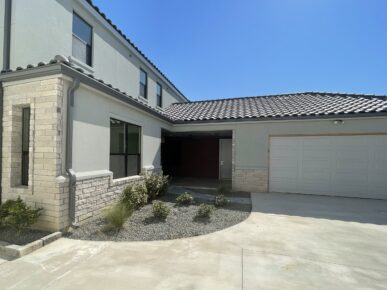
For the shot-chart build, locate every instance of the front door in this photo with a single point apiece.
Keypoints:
(225, 157)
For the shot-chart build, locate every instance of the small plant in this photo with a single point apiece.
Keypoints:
(18, 215)
(184, 199)
(134, 196)
(116, 216)
(160, 210)
(221, 200)
(223, 189)
(205, 211)
(156, 185)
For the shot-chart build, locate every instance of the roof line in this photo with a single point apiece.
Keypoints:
(103, 15)
(287, 95)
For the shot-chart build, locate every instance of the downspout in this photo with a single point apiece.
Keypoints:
(1, 139)
(7, 35)
(69, 148)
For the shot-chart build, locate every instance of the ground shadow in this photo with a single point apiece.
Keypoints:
(324, 207)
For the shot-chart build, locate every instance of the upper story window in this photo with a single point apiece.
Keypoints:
(143, 84)
(82, 40)
(159, 95)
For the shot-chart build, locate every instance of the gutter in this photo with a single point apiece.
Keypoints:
(69, 148)
(7, 35)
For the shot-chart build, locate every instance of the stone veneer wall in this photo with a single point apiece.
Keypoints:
(250, 179)
(45, 188)
(94, 194)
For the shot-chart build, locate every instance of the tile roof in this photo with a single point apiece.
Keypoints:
(301, 105)
(312, 105)
(96, 8)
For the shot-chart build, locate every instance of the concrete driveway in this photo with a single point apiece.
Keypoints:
(289, 242)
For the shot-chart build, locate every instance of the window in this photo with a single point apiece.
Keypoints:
(159, 95)
(143, 84)
(82, 40)
(125, 149)
(25, 145)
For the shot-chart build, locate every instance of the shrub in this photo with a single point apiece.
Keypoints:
(134, 196)
(18, 215)
(184, 199)
(205, 210)
(156, 185)
(221, 200)
(160, 210)
(223, 189)
(116, 216)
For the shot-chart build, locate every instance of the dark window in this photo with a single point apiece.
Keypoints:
(143, 84)
(25, 145)
(82, 39)
(159, 95)
(125, 149)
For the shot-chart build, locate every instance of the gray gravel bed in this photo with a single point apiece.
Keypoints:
(27, 236)
(180, 223)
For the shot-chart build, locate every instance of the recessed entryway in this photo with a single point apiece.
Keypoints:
(206, 155)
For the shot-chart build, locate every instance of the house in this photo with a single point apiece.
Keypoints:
(85, 113)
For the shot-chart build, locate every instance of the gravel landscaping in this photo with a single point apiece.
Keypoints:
(26, 236)
(180, 223)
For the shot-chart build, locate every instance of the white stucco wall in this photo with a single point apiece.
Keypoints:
(46, 26)
(252, 138)
(91, 139)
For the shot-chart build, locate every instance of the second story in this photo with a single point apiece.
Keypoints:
(41, 29)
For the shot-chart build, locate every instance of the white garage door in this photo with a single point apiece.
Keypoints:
(353, 166)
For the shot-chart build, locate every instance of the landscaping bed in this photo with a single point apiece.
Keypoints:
(11, 236)
(181, 222)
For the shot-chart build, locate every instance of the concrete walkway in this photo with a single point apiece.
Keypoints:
(288, 242)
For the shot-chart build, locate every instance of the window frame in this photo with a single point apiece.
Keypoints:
(126, 148)
(25, 152)
(159, 98)
(79, 38)
(145, 85)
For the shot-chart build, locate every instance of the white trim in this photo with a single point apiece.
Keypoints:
(92, 174)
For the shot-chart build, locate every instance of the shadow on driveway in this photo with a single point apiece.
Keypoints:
(326, 207)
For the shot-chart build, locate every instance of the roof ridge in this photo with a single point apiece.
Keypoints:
(285, 95)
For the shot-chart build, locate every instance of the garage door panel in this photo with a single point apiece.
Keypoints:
(330, 165)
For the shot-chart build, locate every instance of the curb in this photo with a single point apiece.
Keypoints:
(16, 251)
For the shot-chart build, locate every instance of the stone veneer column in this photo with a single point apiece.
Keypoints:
(46, 155)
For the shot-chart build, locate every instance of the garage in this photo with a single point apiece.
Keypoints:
(345, 165)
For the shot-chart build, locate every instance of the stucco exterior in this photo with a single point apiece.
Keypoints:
(92, 114)
(251, 142)
(113, 60)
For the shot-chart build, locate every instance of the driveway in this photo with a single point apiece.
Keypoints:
(289, 242)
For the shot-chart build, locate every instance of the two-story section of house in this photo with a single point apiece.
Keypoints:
(62, 124)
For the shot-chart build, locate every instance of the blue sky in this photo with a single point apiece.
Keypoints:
(233, 48)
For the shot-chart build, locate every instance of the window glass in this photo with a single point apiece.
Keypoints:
(125, 149)
(159, 95)
(143, 84)
(82, 40)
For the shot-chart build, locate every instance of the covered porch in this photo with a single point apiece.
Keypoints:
(198, 159)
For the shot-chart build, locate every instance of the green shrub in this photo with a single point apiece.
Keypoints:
(116, 216)
(134, 196)
(223, 189)
(160, 210)
(205, 210)
(221, 200)
(18, 215)
(156, 185)
(184, 199)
